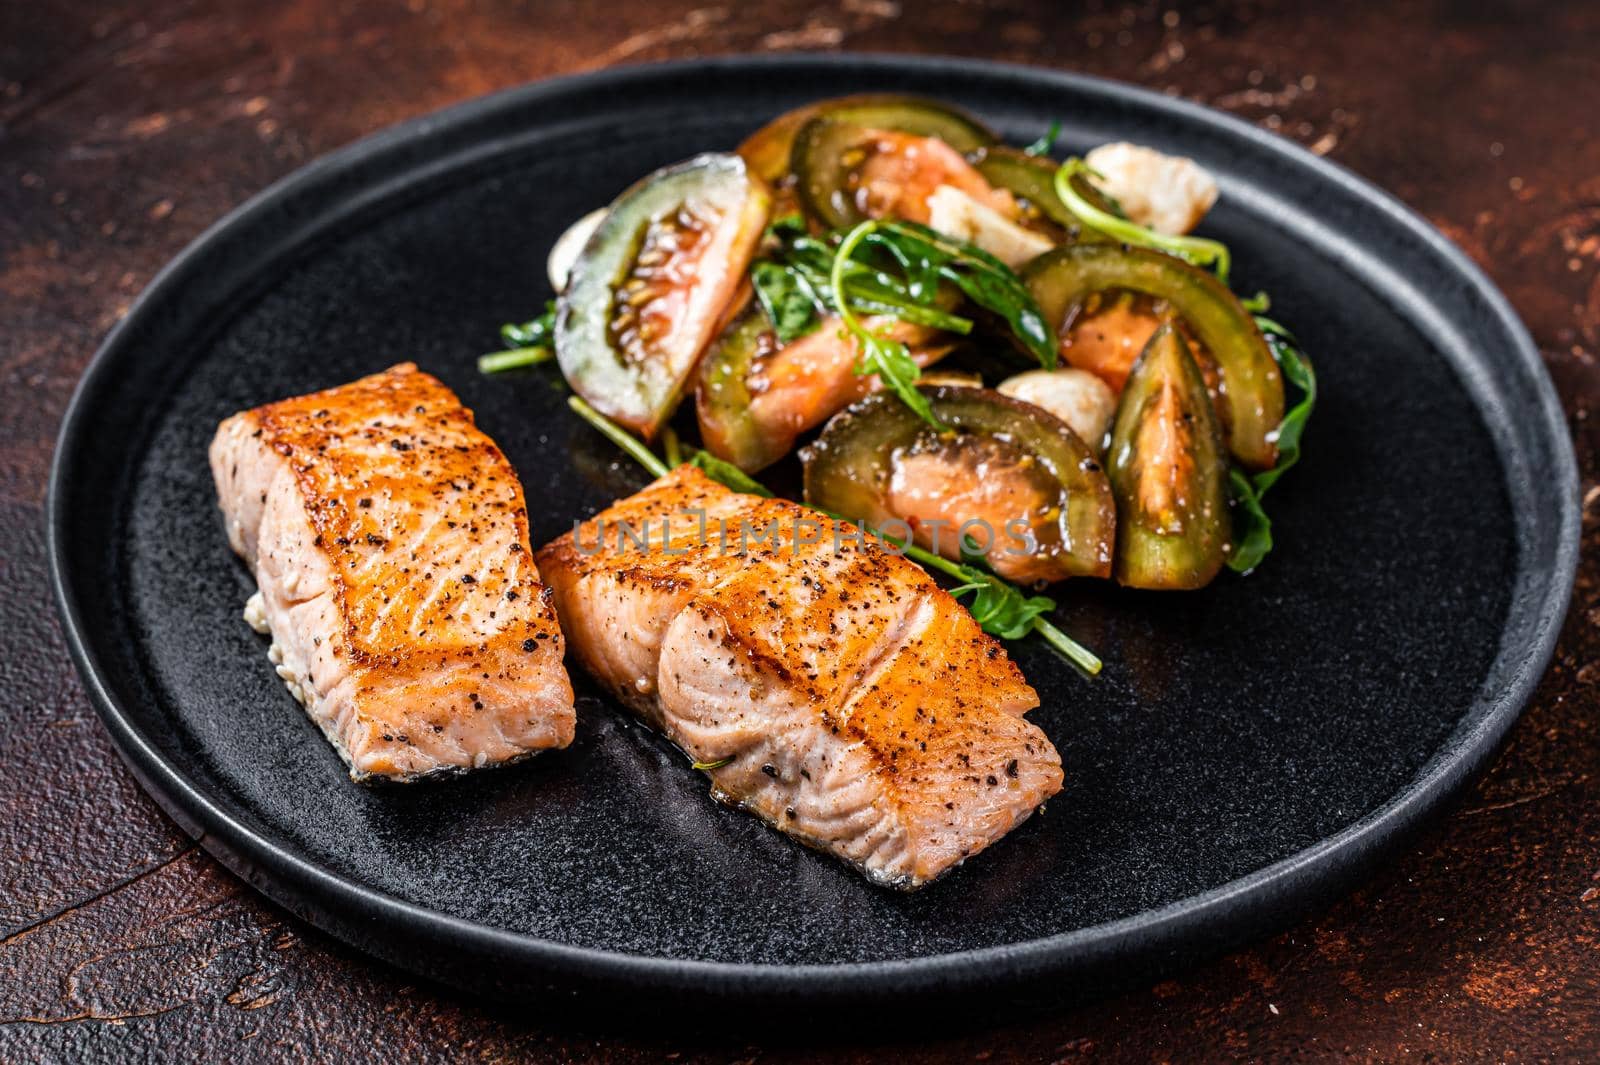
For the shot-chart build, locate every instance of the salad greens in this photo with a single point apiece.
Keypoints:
(901, 274)
(527, 343)
(794, 286)
(890, 359)
(929, 257)
(787, 297)
(1046, 141)
(1252, 538)
(885, 270)
(1001, 609)
(1201, 251)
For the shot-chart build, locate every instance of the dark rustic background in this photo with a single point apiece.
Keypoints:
(127, 127)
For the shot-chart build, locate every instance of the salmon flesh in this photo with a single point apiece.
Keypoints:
(825, 684)
(388, 537)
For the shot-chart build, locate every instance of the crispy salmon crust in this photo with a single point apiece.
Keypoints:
(835, 690)
(389, 540)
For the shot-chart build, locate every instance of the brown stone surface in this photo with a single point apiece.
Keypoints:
(125, 128)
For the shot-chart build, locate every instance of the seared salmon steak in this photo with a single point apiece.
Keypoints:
(825, 684)
(389, 541)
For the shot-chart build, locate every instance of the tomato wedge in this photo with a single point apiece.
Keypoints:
(1169, 472)
(1011, 476)
(755, 396)
(653, 283)
(768, 149)
(845, 173)
(1064, 282)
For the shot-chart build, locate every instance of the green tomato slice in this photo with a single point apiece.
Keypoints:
(651, 287)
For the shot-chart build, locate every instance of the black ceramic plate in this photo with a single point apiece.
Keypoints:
(1248, 750)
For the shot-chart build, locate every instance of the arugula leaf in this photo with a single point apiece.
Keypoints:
(514, 359)
(1252, 526)
(925, 259)
(1043, 145)
(891, 362)
(999, 608)
(527, 343)
(929, 256)
(902, 279)
(865, 297)
(535, 334)
(1296, 367)
(1252, 529)
(889, 359)
(728, 475)
(790, 304)
(1003, 611)
(785, 227)
(619, 436)
(1201, 251)
(1270, 327)
(794, 299)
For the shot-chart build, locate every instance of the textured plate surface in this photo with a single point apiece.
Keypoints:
(1247, 752)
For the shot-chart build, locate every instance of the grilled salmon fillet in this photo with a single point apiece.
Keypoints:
(832, 687)
(389, 541)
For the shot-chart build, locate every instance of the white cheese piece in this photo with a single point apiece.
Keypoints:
(1077, 397)
(955, 214)
(1167, 193)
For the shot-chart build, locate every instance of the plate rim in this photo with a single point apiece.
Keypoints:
(341, 905)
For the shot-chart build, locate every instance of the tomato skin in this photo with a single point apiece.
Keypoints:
(1032, 178)
(1169, 472)
(722, 397)
(654, 284)
(1251, 383)
(754, 398)
(845, 173)
(769, 149)
(1003, 460)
